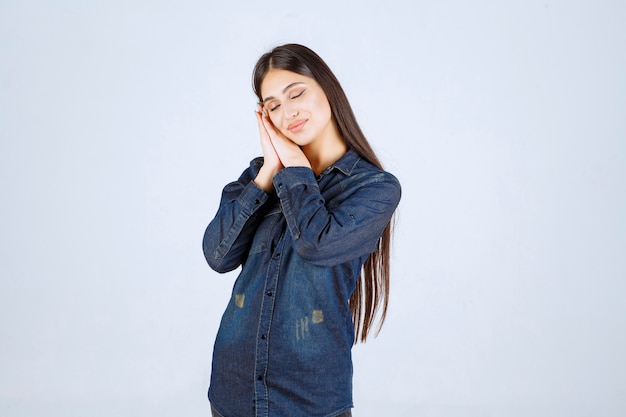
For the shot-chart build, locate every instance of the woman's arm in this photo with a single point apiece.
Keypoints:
(329, 235)
(326, 235)
(228, 237)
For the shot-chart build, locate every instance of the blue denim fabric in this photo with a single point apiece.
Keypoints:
(284, 344)
(215, 413)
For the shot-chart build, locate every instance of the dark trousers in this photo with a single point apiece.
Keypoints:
(214, 413)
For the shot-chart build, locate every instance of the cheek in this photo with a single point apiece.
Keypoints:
(322, 106)
(275, 119)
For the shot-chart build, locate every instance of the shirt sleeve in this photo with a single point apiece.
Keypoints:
(228, 237)
(328, 234)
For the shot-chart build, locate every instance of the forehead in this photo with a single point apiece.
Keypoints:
(276, 80)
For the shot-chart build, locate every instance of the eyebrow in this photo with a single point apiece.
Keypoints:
(284, 91)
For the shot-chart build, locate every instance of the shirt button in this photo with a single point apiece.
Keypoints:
(260, 378)
(269, 293)
(257, 201)
(263, 337)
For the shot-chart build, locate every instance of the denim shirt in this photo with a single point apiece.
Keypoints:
(284, 344)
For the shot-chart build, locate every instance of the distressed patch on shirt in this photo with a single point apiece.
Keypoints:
(317, 317)
(239, 300)
(302, 325)
(302, 328)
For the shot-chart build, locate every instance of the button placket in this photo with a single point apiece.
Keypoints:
(262, 345)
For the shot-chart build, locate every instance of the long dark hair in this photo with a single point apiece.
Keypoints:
(372, 290)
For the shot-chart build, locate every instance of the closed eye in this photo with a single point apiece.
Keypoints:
(276, 106)
(297, 95)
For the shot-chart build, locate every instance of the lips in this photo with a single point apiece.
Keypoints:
(296, 126)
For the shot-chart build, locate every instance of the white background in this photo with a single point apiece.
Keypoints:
(121, 121)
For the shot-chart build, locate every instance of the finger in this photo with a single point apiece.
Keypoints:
(262, 110)
(270, 128)
(260, 122)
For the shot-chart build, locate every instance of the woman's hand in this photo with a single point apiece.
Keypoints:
(288, 152)
(271, 161)
(278, 152)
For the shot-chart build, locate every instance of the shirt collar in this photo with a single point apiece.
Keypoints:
(345, 164)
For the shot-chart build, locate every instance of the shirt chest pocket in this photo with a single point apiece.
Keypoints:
(268, 231)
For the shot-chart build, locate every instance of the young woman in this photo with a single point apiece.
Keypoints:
(309, 223)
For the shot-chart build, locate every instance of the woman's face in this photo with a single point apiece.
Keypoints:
(297, 106)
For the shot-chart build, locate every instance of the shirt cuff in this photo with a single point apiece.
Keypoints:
(290, 177)
(252, 197)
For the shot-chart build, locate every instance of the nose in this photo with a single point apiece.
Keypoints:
(290, 111)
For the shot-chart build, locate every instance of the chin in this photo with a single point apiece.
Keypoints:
(298, 140)
(301, 142)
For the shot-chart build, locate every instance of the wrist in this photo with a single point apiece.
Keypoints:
(264, 178)
(297, 161)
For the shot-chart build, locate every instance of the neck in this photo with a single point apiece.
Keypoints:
(325, 151)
